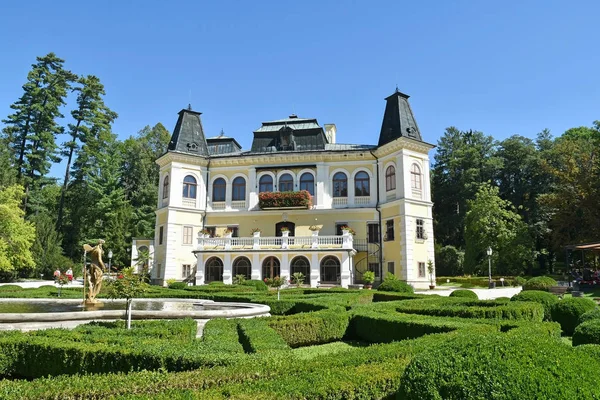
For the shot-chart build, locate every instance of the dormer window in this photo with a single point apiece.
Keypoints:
(286, 139)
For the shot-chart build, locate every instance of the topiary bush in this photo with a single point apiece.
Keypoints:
(539, 283)
(10, 288)
(567, 312)
(390, 285)
(587, 332)
(177, 285)
(519, 281)
(465, 293)
(500, 365)
(544, 298)
(593, 314)
(257, 284)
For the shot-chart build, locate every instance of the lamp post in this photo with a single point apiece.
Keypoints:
(110, 254)
(489, 253)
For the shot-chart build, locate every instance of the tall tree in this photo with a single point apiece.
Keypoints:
(16, 234)
(140, 176)
(31, 130)
(494, 222)
(91, 116)
(464, 160)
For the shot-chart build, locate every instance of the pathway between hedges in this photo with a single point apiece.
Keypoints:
(483, 294)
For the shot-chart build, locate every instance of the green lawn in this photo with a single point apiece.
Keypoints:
(306, 353)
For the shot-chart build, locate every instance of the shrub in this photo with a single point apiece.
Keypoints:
(257, 284)
(395, 286)
(467, 285)
(519, 281)
(256, 336)
(11, 288)
(467, 294)
(239, 279)
(178, 285)
(593, 314)
(544, 298)
(587, 333)
(507, 366)
(539, 283)
(567, 312)
(306, 329)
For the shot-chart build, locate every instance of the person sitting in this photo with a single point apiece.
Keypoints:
(70, 275)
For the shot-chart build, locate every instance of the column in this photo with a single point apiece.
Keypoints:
(400, 178)
(285, 266)
(256, 275)
(252, 189)
(315, 270)
(200, 269)
(345, 270)
(227, 269)
(323, 190)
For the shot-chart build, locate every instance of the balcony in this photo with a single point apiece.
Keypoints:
(273, 243)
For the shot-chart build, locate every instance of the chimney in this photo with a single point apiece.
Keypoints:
(330, 132)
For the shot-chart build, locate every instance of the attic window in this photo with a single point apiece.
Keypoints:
(192, 146)
(287, 139)
(412, 132)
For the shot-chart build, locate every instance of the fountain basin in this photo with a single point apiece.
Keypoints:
(72, 310)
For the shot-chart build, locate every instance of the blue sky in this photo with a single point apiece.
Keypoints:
(500, 67)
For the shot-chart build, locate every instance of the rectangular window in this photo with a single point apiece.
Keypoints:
(338, 227)
(373, 233)
(186, 270)
(235, 231)
(187, 234)
(421, 270)
(391, 267)
(420, 229)
(160, 235)
(389, 229)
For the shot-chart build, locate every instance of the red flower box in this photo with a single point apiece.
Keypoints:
(301, 198)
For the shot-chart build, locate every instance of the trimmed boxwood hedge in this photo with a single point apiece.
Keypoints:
(544, 298)
(539, 283)
(306, 329)
(587, 332)
(567, 312)
(256, 336)
(589, 315)
(392, 285)
(465, 293)
(505, 366)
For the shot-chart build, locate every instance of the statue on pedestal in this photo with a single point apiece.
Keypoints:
(94, 271)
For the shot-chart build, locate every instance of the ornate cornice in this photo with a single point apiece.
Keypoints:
(400, 144)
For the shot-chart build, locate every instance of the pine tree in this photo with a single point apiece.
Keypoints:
(90, 117)
(31, 130)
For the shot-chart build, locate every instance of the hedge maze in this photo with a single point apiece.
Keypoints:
(395, 345)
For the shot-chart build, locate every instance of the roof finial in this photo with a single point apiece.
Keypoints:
(222, 133)
(189, 106)
(397, 88)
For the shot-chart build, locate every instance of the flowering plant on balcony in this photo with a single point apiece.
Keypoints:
(301, 198)
(255, 230)
(314, 228)
(350, 230)
(205, 232)
(284, 229)
(228, 230)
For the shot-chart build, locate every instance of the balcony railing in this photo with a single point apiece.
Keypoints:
(275, 242)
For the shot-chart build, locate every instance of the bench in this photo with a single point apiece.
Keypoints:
(558, 290)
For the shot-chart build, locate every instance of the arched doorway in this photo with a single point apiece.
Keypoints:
(271, 267)
(330, 270)
(301, 264)
(213, 270)
(242, 266)
(290, 225)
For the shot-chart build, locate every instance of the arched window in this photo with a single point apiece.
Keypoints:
(265, 184)
(239, 189)
(330, 270)
(340, 185)
(270, 267)
(189, 187)
(286, 183)
(166, 187)
(307, 182)
(301, 264)
(415, 175)
(361, 184)
(219, 187)
(390, 178)
(242, 266)
(213, 270)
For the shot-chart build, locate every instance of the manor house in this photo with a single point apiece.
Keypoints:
(297, 201)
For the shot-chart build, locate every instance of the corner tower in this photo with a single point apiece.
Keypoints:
(398, 120)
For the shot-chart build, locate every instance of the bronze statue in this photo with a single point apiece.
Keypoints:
(94, 271)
